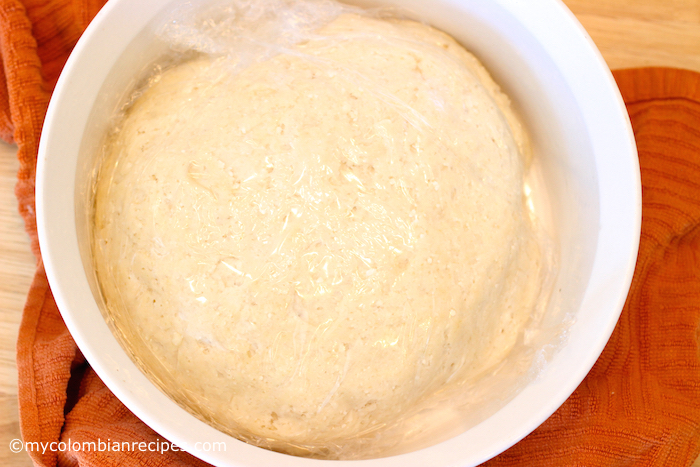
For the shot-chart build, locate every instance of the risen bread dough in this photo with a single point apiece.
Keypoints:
(306, 250)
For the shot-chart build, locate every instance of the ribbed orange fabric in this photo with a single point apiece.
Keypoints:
(640, 404)
(36, 37)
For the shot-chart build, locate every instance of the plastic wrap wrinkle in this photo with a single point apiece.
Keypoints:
(313, 232)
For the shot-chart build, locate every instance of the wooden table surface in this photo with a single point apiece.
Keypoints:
(629, 33)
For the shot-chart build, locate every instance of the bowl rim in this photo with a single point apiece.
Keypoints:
(127, 383)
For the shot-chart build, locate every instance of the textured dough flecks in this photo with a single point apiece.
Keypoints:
(314, 245)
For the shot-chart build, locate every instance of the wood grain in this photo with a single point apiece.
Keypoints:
(629, 33)
(16, 271)
(643, 32)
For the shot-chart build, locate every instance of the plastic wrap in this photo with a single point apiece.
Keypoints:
(312, 228)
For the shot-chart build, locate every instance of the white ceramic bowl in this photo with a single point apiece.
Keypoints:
(585, 154)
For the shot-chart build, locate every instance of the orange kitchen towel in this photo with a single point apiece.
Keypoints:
(640, 404)
(36, 37)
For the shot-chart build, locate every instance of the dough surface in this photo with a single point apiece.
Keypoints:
(305, 250)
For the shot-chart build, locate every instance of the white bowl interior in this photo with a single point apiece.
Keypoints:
(586, 159)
